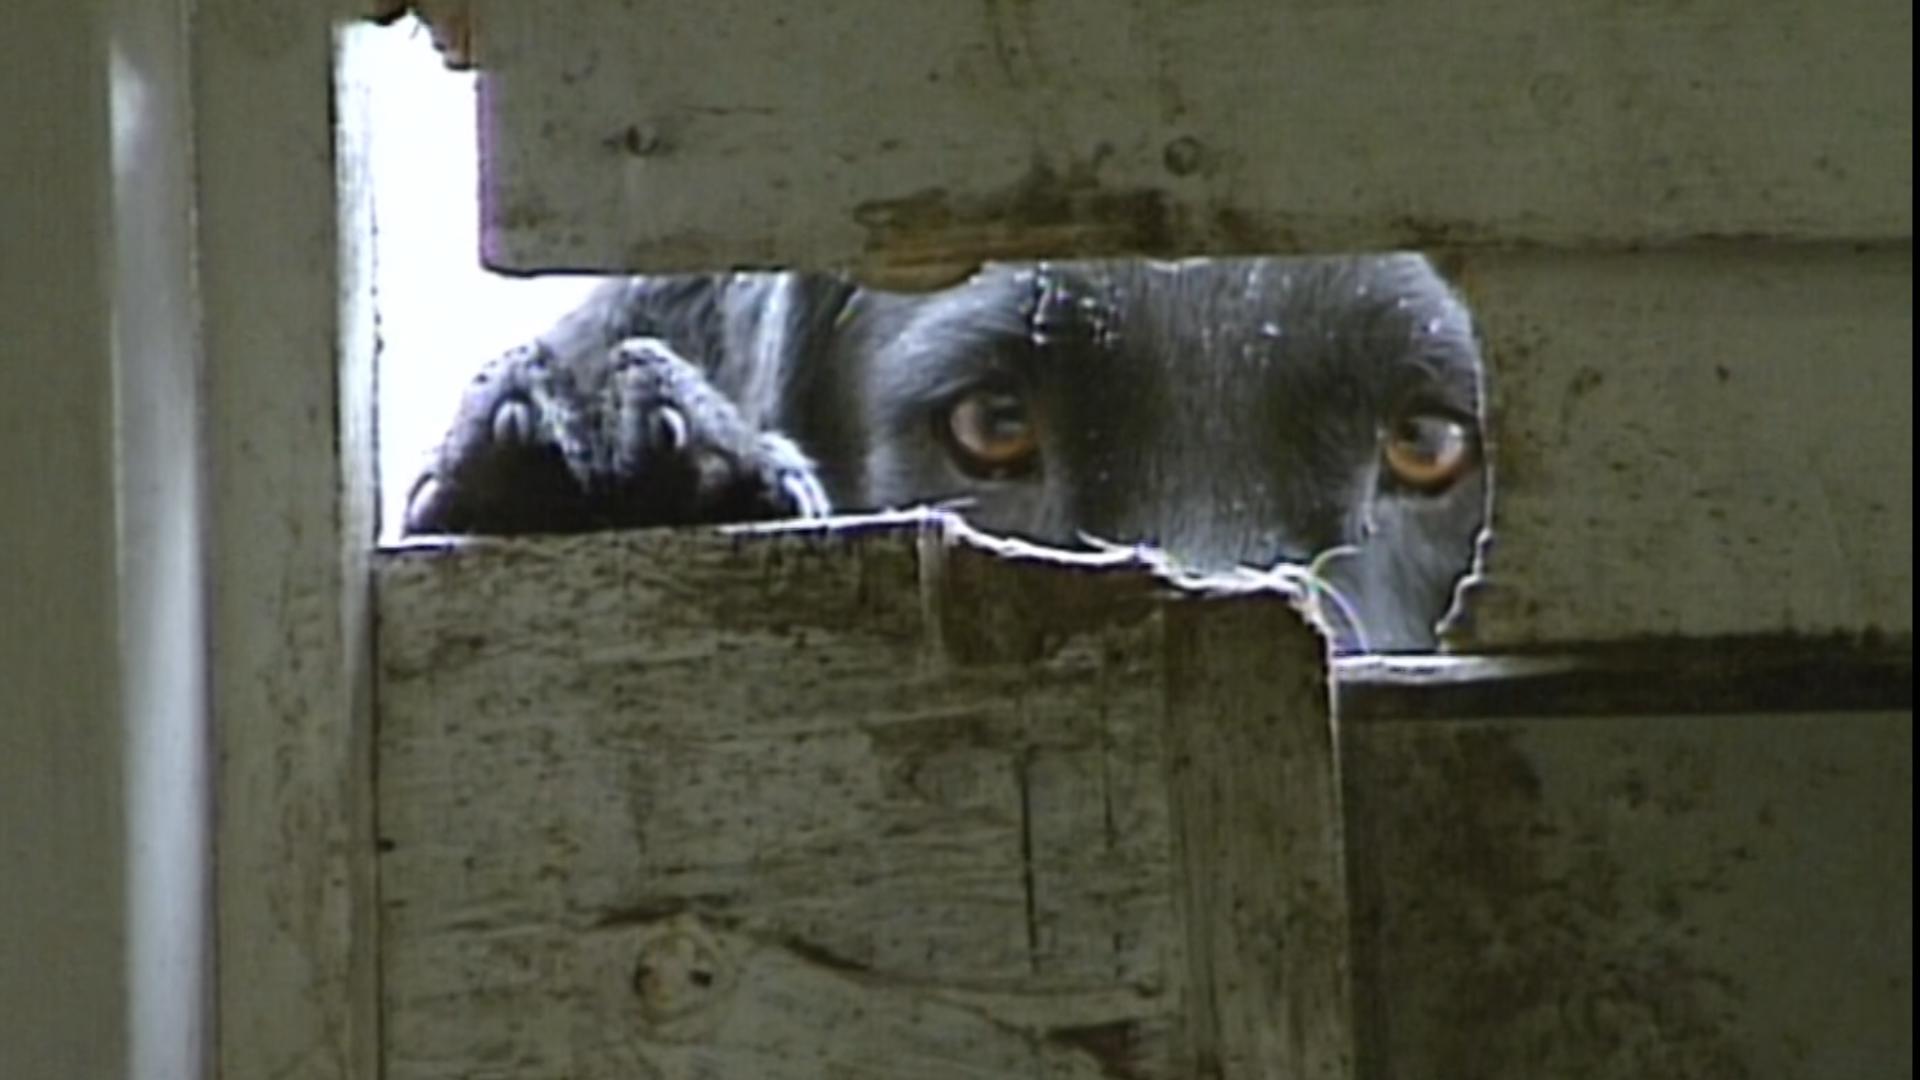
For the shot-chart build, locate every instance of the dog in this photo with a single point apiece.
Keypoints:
(1324, 411)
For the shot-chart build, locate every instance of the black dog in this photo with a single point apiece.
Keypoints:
(1231, 412)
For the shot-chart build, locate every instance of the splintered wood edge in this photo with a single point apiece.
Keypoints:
(983, 598)
(1294, 582)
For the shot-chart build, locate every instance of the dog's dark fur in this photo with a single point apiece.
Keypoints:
(1232, 412)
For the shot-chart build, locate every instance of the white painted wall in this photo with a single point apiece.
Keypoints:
(162, 553)
(103, 913)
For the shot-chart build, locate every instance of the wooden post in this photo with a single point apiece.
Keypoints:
(1260, 879)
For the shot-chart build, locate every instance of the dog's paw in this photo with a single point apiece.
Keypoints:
(634, 436)
(497, 470)
(669, 448)
(789, 478)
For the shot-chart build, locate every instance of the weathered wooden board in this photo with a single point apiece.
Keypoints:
(921, 137)
(282, 271)
(1251, 778)
(1258, 830)
(1675, 896)
(1697, 443)
(681, 805)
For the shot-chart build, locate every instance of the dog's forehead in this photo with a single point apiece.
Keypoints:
(1252, 335)
(1385, 319)
(1395, 295)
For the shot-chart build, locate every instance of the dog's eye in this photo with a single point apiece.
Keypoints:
(1429, 451)
(990, 432)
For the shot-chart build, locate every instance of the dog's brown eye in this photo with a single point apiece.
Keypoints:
(991, 432)
(1429, 451)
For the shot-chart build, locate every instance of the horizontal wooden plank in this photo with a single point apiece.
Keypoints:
(1661, 678)
(728, 805)
(916, 138)
(755, 756)
(1697, 444)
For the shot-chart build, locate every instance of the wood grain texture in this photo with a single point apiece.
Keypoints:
(896, 855)
(1259, 842)
(685, 805)
(1618, 897)
(283, 280)
(1697, 444)
(912, 139)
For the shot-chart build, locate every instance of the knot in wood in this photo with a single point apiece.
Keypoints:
(680, 970)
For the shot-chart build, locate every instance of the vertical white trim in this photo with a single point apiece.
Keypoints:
(160, 540)
(289, 342)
